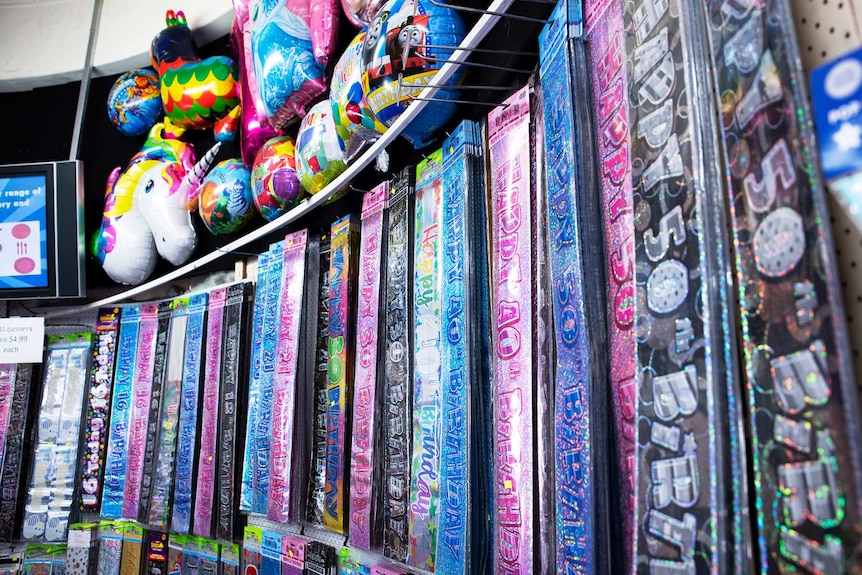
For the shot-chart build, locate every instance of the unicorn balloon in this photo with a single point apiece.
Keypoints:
(147, 209)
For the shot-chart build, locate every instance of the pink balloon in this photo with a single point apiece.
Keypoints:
(362, 12)
(324, 29)
(255, 131)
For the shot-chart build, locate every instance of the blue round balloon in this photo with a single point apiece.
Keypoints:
(401, 55)
(135, 102)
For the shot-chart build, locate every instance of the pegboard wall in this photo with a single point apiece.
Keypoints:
(827, 29)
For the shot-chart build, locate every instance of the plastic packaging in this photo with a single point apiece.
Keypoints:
(453, 555)
(13, 458)
(685, 343)
(98, 407)
(317, 479)
(163, 336)
(512, 332)
(427, 346)
(610, 103)
(263, 422)
(55, 461)
(249, 466)
(802, 395)
(159, 514)
(365, 470)
(188, 440)
(342, 315)
(207, 454)
(285, 385)
(232, 418)
(110, 547)
(121, 408)
(398, 367)
(138, 418)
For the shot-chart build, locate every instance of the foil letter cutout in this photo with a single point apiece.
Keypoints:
(776, 167)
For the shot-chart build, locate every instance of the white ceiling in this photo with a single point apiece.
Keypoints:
(44, 42)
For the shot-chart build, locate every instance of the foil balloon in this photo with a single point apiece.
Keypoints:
(146, 209)
(288, 65)
(226, 198)
(401, 56)
(355, 122)
(196, 94)
(134, 102)
(275, 185)
(361, 12)
(319, 152)
(254, 130)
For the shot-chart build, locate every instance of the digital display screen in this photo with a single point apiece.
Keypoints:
(23, 232)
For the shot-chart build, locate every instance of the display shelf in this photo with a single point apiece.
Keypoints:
(827, 29)
(477, 33)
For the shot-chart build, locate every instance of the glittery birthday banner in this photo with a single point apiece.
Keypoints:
(184, 480)
(231, 396)
(512, 331)
(206, 481)
(121, 407)
(317, 472)
(397, 388)
(249, 461)
(453, 545)
(153, 419)
(98, 404)
(342, 298)
(801, 390)
(605, 41)
(427, 345)
(140, 411)
(166, 444)
(13, 458)
(284, 388)
(364, 477)
(263, 418)
(7, 381)
(684, 346)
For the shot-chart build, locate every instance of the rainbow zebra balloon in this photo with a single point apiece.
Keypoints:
(146, 209)
(196, 93)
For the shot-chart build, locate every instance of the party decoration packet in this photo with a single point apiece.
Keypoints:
(342, 314)
(232, 418)
(249, 460)
(188, 440)
(98, 408)
(142, 388)
(121, 407)
(317, 472)
(424, 509)
(204, 501)
(158, 514)
(282, 454)
(802, 396)
(365, 468)
(160, 359)
(263, 416)
(397, 391)
(684, 332)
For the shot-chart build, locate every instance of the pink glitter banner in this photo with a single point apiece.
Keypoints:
(607, 62)
(512, 328)
(284, 388)
(203, 521)
(141, 389)
(365, 381)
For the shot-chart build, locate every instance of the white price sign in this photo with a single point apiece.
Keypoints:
(21, 339)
